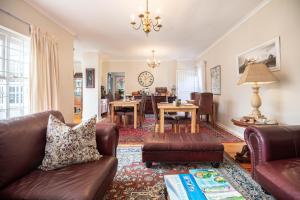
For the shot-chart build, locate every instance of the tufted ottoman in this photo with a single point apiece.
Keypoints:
(182, 148)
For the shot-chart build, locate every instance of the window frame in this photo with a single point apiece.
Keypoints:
(16, 77)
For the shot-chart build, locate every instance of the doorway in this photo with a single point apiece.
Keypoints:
(116, 84)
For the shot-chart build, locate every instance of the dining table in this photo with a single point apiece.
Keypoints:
(170, 107)
(125, 104)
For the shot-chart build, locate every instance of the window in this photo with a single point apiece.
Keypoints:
(186, 83)
(14, 74)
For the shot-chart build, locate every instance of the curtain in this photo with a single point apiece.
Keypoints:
(44, 68)
(201, 75)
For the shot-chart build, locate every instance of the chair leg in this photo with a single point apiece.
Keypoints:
(213, 121)
(141, 121)
(124, 119)
(116, 119)
(156, 128)
(198, 127)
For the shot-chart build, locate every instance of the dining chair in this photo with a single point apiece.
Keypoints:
(110, 98)
(206, 105)
(168, 118)
(185, 119)
(204, 101)
(141, 111)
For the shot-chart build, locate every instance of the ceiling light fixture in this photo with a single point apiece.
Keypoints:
(146, 21)
(153, 62)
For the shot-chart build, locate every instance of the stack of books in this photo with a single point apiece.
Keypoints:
(200, 184)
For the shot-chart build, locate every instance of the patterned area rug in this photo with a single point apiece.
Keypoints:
(131, 136)
(135, 181)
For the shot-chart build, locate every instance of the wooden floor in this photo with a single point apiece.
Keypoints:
(232, 148)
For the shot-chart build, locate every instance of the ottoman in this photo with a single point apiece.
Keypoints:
(182, 148)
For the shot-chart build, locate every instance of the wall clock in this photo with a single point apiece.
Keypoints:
(146, 79)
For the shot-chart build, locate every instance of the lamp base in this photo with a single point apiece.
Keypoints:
(257, 116)
(256, 103)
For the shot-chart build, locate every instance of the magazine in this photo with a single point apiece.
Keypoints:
(200, 184)
(214, 186)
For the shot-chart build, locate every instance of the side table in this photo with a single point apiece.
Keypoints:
(244, 155)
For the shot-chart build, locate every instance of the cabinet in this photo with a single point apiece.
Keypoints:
(77, 97)
(104, 106)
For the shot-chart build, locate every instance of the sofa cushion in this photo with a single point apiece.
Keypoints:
(181, 142)
(80, 182)
(280, 177)
(66, 145)
(22, 144)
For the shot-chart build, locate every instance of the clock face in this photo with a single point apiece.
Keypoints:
(146, 79)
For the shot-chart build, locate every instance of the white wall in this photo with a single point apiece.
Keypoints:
(65, 46)
(164, 75)
(91, 96)
(280, 100)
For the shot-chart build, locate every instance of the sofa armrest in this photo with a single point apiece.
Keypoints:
(267, 143)
(107, 137)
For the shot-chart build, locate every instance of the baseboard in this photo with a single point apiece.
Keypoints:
(233, 132)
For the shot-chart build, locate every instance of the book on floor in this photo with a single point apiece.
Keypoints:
(200, 184)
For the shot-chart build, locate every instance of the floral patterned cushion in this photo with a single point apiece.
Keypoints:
(66, 145)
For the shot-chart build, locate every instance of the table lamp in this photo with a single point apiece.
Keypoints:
(256, 74)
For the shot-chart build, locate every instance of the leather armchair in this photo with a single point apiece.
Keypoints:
(275, 159)
(22, 146)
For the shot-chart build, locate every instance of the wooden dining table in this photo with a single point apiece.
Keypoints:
(125, 104)
(169, 107)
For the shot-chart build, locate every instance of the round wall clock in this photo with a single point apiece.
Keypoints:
(145, 79)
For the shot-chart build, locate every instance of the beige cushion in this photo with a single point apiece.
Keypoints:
(66, 145)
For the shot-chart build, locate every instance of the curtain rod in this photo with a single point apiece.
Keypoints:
(17, 18)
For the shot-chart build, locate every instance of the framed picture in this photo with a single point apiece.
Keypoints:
(90, 77)
(120, 82)
(215, 75)
(267, 53)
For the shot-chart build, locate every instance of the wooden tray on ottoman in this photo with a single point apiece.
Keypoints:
(182, 148)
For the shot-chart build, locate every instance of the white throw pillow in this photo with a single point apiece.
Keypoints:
(66, 145)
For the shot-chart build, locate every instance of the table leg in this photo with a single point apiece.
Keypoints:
(193, 121)
(112, 113)
(162, 121)
(135, 117)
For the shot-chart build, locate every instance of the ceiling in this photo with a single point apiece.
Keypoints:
(189, 26)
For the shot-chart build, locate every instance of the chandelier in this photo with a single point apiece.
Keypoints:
(153, 62)
(146, 22)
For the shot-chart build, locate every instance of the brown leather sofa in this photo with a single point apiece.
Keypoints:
(22, 144)
(275, 159)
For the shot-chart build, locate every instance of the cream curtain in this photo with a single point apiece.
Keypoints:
(44, 68)
(201, 75)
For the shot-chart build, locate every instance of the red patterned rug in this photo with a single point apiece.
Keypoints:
(134, 181)
(131, 136)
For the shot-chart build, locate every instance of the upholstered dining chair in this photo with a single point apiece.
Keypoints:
(168, 118)
(141, 111)
(185, 119)
(206, 105)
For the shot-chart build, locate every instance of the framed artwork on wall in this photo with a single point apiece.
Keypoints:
(120, 82)
(90, 77)
(267, 53)
(215, 76)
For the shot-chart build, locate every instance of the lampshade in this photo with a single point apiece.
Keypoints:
(257, 73)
